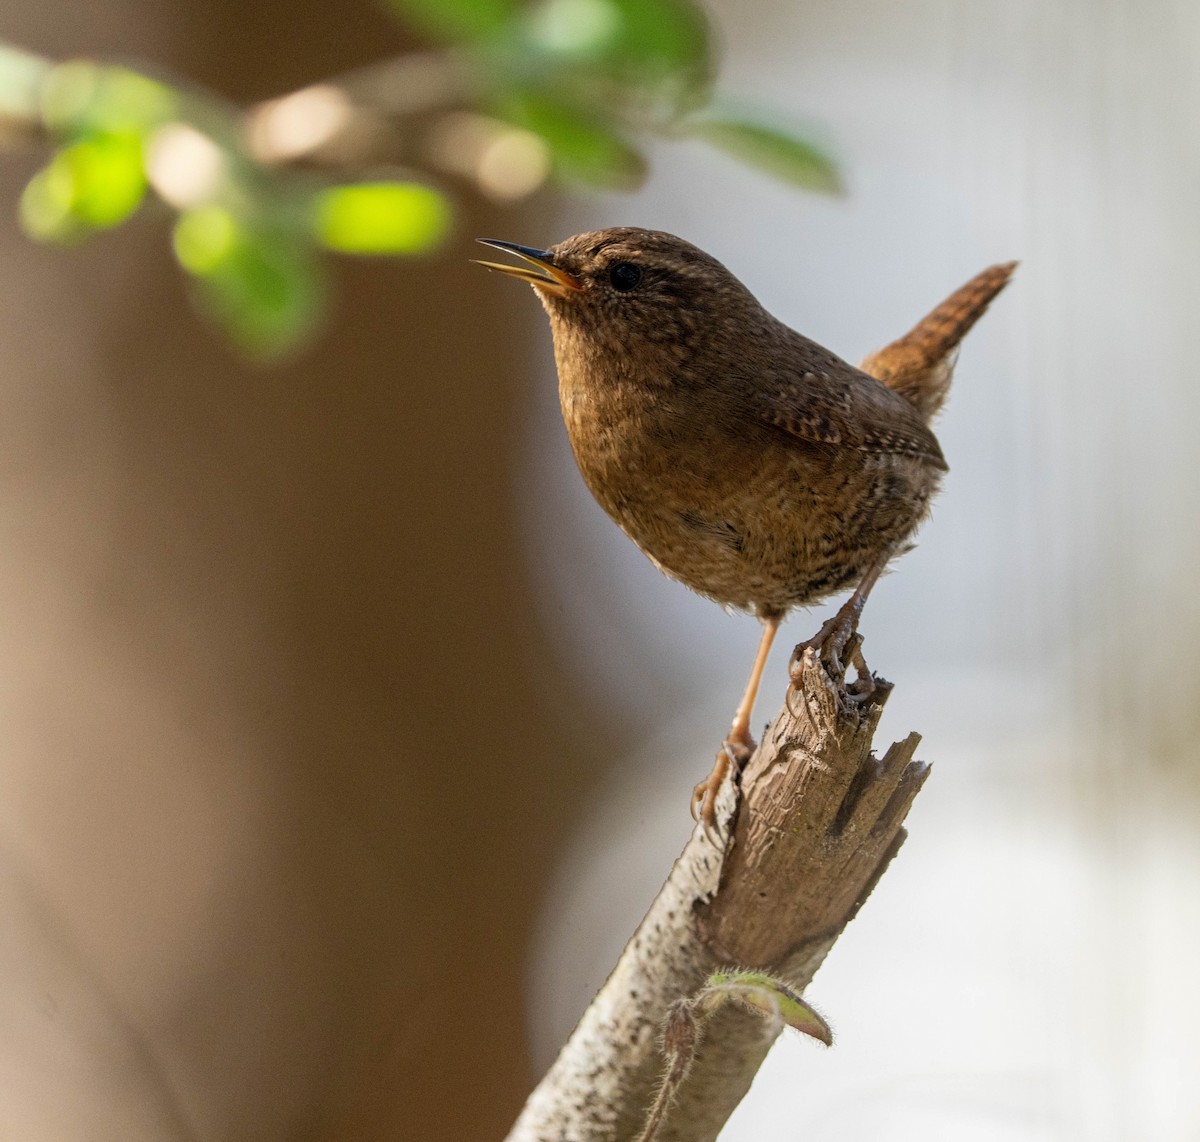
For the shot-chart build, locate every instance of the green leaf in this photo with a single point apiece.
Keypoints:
(381, 218)
(768, 996)
(263, 285)
(109, 178)
(584, 148)
(667, 36)
(653, 38)
(204, 238)
(650, 57)
(45, 209)
(578, 29)
(81, 98)
(92, 184)
(775, 151)
(455, 21)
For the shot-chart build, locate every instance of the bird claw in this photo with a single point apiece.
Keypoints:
(837, 639)
(732, 754)
(838, 646)
(867, 687)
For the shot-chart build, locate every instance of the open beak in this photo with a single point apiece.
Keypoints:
(545, 274)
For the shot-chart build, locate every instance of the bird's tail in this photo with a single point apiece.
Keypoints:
(920, 364)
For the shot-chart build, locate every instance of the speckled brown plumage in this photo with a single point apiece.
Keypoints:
(744, 459)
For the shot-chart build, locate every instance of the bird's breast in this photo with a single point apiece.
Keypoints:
(711, 496)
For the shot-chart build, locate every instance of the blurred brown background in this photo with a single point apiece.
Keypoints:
(279, 793)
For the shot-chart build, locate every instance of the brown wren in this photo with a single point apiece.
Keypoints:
(745, 460)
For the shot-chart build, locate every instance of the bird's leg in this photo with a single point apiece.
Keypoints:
(839, 635)
(739, 744)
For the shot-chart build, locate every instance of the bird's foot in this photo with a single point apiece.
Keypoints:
(734, 753)
(837, 636)
(838, 646)
(867, 686)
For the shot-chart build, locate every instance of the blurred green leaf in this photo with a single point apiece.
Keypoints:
(93, 184)
(665, 39)
(457, 20)
(204, 238)
(584, 148)
(775, 151)
(641, 62)
(381, 218)
(632, 40)
(579, 78)
(80, 97)
(577, 29)
(45, 207)
(109, 177)
(263, 285)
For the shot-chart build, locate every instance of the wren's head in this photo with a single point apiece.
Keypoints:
(625, 291)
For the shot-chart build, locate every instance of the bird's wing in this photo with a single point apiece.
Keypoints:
(842, 407)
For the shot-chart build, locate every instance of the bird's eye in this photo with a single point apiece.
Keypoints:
(625, 276)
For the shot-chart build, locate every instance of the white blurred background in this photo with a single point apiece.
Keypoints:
(1026, 969)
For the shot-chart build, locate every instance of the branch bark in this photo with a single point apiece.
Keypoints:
(803, 835)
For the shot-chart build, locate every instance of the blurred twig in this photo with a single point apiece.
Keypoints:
(802, 838)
